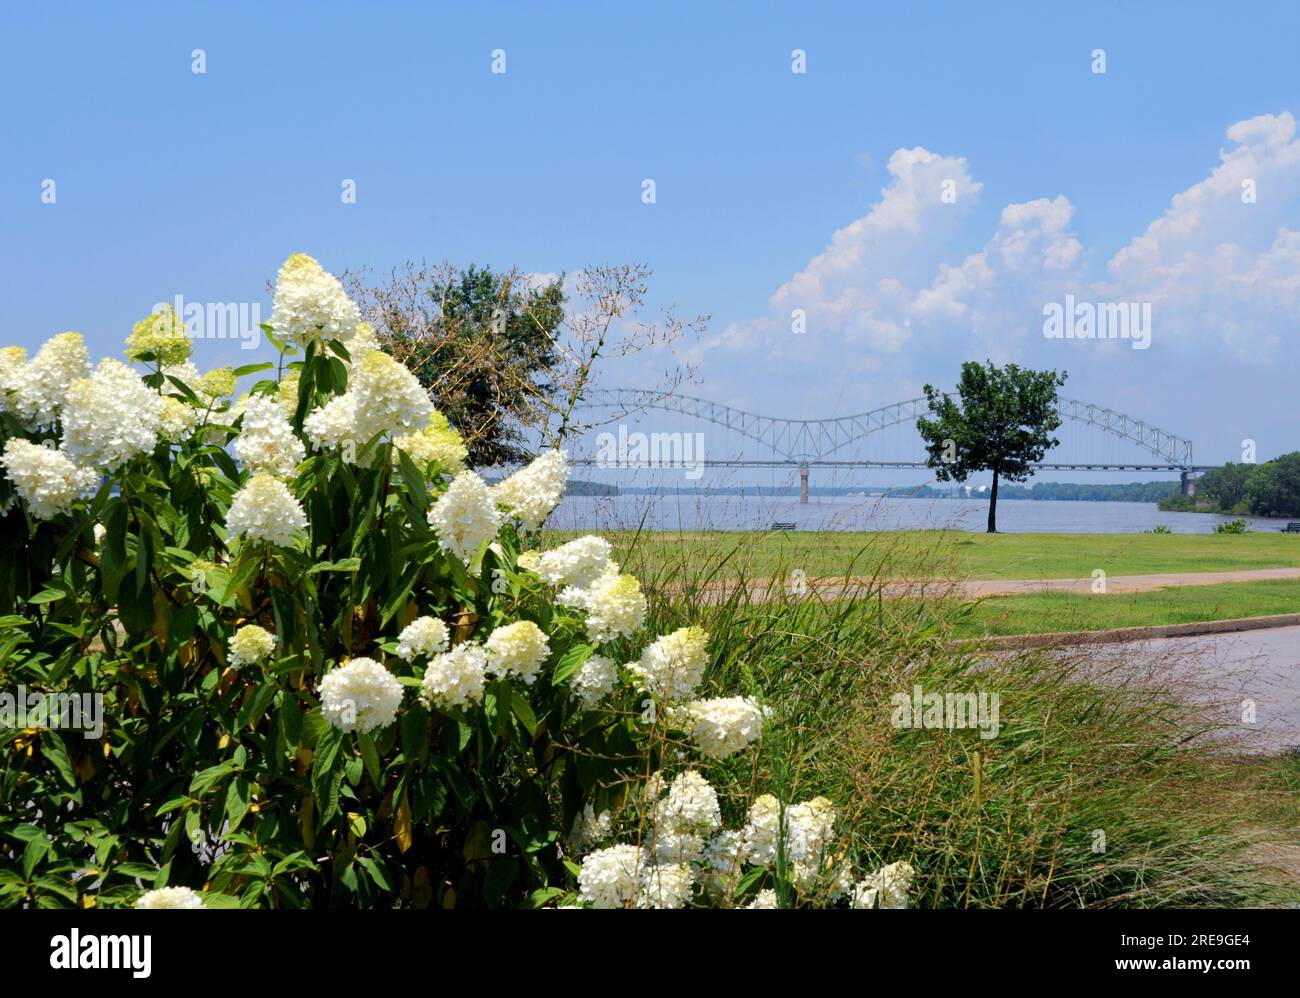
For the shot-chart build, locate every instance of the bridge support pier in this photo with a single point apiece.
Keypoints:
(1187, 483)
(803, 484)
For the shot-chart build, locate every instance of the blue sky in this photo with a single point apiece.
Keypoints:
(173, 182)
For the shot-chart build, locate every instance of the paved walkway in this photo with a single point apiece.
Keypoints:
(976, 588)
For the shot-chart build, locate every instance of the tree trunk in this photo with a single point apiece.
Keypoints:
(993, 505)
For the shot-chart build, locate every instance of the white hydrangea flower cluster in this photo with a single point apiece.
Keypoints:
(579, 563)
(886, 888)
(809, 835)
(465, 517)
(176, 419)
(266, 443)
(666, 885)
(310, 305)
(386, 397)
(614, 604)
(333, 425)
(13, 364)
(110, 417)
(425, 636)
(44, 478)
(265, 510)
(360, 696)
(723, 725)
(41, 386)
(170, 897)
(594, 680)
(673, 666)
(517, 649)
(611, 877)
(590, 828)
(455, 678)
(250, 644)
(764, 899)
(436, 442)
(531, 493)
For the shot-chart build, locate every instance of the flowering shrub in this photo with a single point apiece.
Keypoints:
(331, 669)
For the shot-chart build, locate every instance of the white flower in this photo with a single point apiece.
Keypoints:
(722, 725)
(310, 304)
(425, 636)
(176, 419)
(13, 364)
(531, 493)
(518, 649)
(578, 563)
(888, 886)
(763, 899)
(265, 510)
(809, 828)
(436, 442)
(455, 678)
(333, 425)
(43, 383)
(762, 831)
(690, 806)
(614, 603)
(250, 644)
(611, 877)
(360, 696)
(111, 416)
(666, 886)
(590, 828)
(722, 861)
(594, 680)
(528, 561)
(170, 897)
(465, 516)
(677, 847)
(674, 664)
(44, 478)
(386, 397)
(266, 443)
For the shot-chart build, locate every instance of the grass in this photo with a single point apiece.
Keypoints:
(1171, 605)
(953, 554)
(1013, 821)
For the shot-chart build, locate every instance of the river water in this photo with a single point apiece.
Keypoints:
(872, 513)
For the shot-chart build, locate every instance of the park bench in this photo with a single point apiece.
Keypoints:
(1291, 528)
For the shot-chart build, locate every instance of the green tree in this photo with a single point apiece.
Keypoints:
(1273, 488)
(1226, 486)
(1001, 421)
(484, 343)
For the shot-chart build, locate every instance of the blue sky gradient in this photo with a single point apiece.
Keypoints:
(170, 182)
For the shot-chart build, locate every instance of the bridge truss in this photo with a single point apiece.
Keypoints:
(815, 442)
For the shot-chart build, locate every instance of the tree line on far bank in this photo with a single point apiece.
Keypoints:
(1268, 489)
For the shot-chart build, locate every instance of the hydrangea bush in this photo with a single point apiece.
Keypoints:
(333, 668)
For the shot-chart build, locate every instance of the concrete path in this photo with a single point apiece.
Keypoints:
(977, 588)
(1253, 678)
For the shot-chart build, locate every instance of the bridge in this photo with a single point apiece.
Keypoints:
(811, 443)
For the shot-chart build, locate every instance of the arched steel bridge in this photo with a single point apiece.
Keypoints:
(816, 442)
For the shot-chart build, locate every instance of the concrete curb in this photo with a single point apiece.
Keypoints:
(1123, 634)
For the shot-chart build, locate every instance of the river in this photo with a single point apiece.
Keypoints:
(873, 513)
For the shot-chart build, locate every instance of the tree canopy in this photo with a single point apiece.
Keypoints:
(1001, 421)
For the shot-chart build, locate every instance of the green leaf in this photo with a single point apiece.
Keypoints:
(247, 369)
(237, 800)
(524, 711)
(370, 757)
(570, 662)
(327, 773)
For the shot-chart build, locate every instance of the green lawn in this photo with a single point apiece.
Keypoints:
(1174, 605)
(948, 553)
